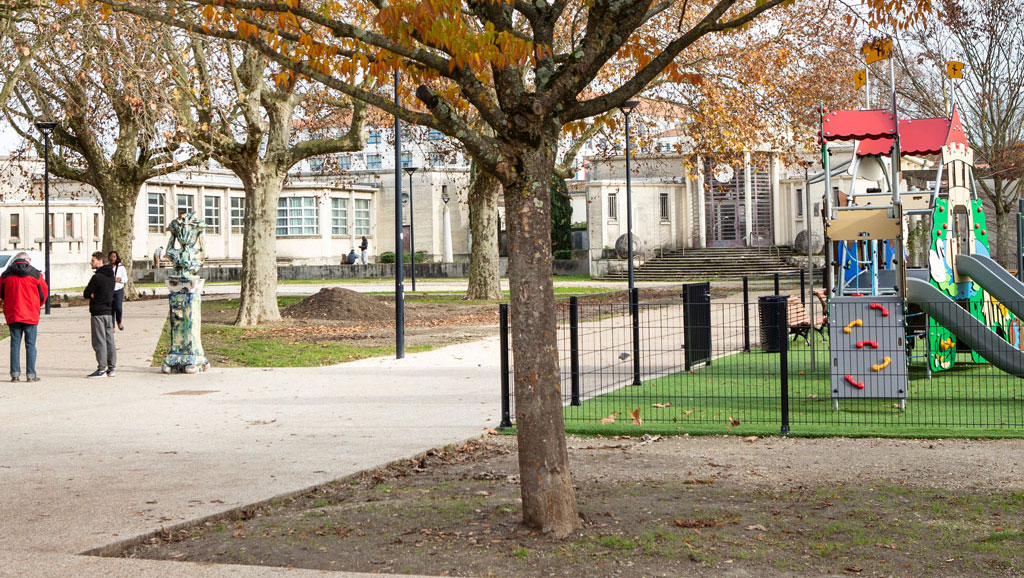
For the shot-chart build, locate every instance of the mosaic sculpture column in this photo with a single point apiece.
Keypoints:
(185, 250)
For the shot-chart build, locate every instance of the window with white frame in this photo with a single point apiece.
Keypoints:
(316, 164)
(435, 135)
(69, 225)
(435, 159)
(373, 161)
(374, 138)
(799, 202)
(345, 162)
(211, 214)
(15, 226)
(296, 216)
(406, 159)
(339, 216)
(663, 206)
(613, 206)
(186, 204)
(155, 212)
(362, 223)
(237, 214)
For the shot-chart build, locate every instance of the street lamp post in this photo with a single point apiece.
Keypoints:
(412, 226)
(46, 128)
(399, 273)
(446, 227)
(634, 301)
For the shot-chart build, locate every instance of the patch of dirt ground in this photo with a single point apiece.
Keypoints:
(683, 506)
(343, 315)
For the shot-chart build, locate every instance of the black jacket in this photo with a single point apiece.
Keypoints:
(100, 291)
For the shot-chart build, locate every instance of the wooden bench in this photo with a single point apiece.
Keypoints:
(800, 322)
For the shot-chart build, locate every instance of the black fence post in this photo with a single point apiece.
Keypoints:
(746, 316)
(574, 347)
(634, 309)
(782, 313)
(776, 276)
(803, 286)
(506, 394)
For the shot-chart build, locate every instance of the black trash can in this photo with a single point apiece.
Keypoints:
(773, 337)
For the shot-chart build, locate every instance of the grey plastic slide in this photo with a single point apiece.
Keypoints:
(957, 320)
(994, 279)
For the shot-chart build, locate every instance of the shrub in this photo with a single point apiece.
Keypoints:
(387, 257)
(563, 254)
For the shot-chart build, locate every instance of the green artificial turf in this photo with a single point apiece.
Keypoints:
(741, 394)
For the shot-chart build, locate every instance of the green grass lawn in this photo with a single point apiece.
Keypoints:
(969, 400)
(230, 346)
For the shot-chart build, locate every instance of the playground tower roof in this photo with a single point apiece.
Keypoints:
(875, 130)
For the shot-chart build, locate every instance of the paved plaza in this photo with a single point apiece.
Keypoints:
(86, 464)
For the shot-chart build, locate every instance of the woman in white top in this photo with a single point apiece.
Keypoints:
(120, 278)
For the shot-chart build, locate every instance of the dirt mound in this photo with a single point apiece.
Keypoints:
(340, 304)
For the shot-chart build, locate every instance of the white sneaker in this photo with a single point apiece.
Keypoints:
(110, 373)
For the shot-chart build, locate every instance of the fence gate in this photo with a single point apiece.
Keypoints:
(697, 323)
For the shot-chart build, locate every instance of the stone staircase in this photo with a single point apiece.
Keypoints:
(710, 263)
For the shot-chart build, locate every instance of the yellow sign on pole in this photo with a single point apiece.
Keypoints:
(859, 80)
(876, 50)
(954, 69)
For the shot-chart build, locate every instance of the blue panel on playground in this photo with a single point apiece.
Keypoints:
(876, 332)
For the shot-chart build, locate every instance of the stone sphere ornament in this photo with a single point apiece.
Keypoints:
(622, 248)
(817, 242)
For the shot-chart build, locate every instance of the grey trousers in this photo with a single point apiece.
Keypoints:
(103, 342)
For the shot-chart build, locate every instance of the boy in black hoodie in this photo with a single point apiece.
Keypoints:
(100, 293)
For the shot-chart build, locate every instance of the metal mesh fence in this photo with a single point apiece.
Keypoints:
(714, 354)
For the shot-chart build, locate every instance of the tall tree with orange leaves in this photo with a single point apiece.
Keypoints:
(503, 78)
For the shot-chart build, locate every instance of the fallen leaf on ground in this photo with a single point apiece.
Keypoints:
(756, 528)
(490, 431)
(750, 439)
(666, 404)
(636, 417)
(608, 420)
(701, 523)
(688, 412)
(733, 422)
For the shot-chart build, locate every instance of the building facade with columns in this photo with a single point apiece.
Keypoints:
(319, 218)
(681, 201)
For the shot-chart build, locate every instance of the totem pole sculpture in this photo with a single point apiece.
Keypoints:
(186, 251)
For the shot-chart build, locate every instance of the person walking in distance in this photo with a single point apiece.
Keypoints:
(23, 291)
(362, 250)
(100, 293)
(120, 278)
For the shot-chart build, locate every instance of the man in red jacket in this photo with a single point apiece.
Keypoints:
(23, 291)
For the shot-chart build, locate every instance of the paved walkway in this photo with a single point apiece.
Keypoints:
(87, 463)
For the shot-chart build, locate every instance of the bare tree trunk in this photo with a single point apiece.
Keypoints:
(1004, 239)
(119, 226)
(549, 500)
(484, 278)
(259, 251)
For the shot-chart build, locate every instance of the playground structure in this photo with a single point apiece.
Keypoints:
(879, 310)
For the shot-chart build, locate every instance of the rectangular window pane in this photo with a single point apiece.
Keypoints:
(211, 214)
(69, 224)
(155, 212)
(663, 203)
(374, 137)
(339, 216)
(16, 226)
(362, 224)
(186, 204)
(345, 162)
(237, 214)
(612, 206)
(373, 161)
(296, 216)
(435, 134)
(799, 202)
(96, 225)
